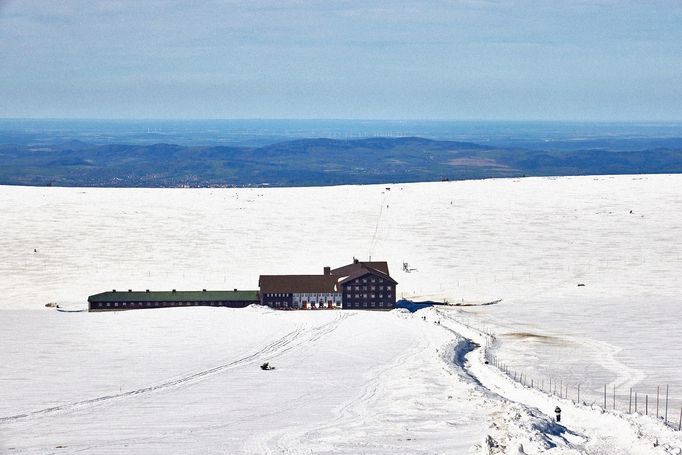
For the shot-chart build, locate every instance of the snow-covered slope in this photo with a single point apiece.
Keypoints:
(529, 242)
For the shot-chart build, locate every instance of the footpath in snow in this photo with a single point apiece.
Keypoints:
(522, 418)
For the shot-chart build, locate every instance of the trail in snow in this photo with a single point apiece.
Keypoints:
(273, 349)
(584, 429)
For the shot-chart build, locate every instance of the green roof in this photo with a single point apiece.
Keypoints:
(174, 296)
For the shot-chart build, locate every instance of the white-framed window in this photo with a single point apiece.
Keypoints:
(373, 296)
(381, 304)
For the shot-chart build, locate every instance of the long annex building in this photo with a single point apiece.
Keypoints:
(359, 285)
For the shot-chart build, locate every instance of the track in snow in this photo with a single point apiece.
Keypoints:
(273, 349)
(517, 408)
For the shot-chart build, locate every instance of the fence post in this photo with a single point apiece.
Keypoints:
(578, 393)
(646, 404)
(666, 403)
(658, 388)
(630, 405)
(604, 397)
(635, 402)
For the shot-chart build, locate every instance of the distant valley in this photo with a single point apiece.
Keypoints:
(314, 162)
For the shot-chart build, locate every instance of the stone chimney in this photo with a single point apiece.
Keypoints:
(327, 270)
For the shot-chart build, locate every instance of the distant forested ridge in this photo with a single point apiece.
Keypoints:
(312, 162)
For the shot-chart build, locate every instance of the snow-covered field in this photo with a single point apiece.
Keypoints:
(186, 380)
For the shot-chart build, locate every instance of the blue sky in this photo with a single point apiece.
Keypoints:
(604, 60)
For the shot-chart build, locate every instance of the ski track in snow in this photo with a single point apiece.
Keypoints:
(521, 415)
(278, 347)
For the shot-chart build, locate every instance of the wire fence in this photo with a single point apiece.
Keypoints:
(657, 403)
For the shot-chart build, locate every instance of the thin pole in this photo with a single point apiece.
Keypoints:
(635, 402)
(630, 405)
(614, 396)
(679, 423)
(646, 405)
(658, 388)
(666, 403)
(578, 393)
(604, 396)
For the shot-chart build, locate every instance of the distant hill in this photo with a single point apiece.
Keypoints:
(308, 162)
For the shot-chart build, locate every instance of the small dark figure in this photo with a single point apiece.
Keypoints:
(35, 250)
(266, 366)
(557, 410)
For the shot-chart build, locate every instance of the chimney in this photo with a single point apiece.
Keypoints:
(174, 290)
(355, 260)
(327, 270)
(235, 289)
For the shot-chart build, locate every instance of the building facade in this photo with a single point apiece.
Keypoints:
(359, 285)
(132, 300)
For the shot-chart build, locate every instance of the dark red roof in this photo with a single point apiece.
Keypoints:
(360, 272)
(298, 283)
(354, 267)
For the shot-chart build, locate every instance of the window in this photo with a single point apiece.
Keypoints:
(364, 280)
(364, 304)
(364, 296)
(357, 288)
(373, 304)
(381, 288)
(108, 304)
(373, 280)
(373, 288)
(381, 304)
(381, 296)
(348, 296)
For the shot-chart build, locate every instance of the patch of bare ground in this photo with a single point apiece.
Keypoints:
(477, 162)
(528, 336)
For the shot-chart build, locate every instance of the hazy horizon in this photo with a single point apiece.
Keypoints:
(470, 60)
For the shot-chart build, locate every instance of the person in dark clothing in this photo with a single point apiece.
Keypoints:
(557, 411)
